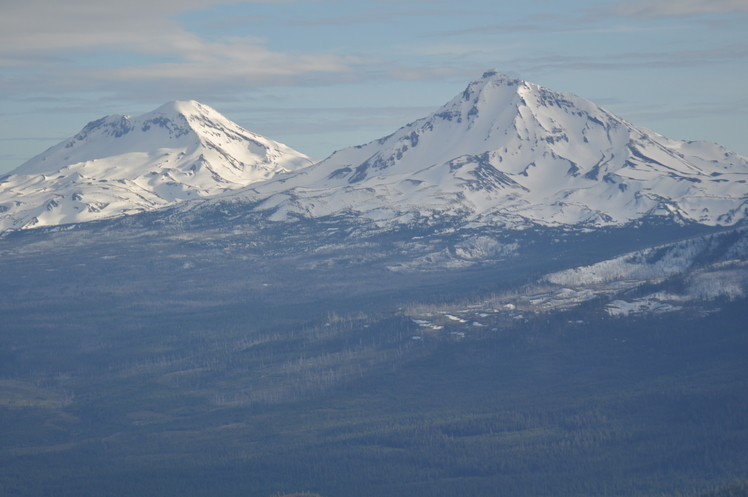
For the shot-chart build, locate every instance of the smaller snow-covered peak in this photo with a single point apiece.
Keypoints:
(119, 165)
(175, 117)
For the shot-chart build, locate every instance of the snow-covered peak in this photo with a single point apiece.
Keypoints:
(175, 125)
(120, 164)
(511, 152)
(497, 116)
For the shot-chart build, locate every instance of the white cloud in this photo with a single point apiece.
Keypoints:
(51, 37)
(657, 9)
(42, 25)
(227, 59)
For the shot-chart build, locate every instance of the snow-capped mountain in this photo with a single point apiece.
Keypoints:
(512, 153)
(122, 165)
(504, 152)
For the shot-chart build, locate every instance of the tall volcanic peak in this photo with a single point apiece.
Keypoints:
(120, 165)
(509, 152)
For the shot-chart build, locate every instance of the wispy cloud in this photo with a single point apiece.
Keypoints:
(307, 120)
(628, 60)
(33, 138)
(424, 73)
(380, 16)
(233, 58)
(693, 111)
(519, 27)
(659, 9)
(28, 26)
(51, 43)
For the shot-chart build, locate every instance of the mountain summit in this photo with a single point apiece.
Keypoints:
(122, 165)
(509, 152)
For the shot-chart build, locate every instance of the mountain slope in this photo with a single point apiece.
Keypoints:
(122, 165)
(513, 153)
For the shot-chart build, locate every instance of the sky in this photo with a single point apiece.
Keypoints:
(321, 75)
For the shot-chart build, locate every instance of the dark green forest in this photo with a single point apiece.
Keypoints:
(159, 360)
(105, 398)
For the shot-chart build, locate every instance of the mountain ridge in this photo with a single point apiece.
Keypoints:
(504, 152)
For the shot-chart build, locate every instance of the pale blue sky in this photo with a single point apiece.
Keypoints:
(320, 75)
